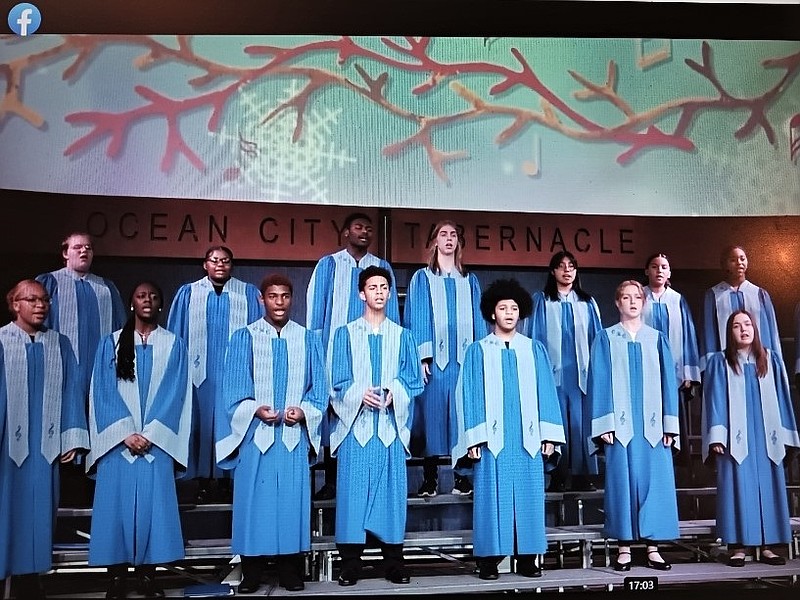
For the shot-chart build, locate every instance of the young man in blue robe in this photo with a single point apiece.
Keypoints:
(205, 314)
(633, 395)
(510, 423)
(442, 311)
(275, 393)
(42, 424)
(566, 319)
(83, 306)
(748, 425)
(332, 300)
(140, 407)
(376, 375)
(734, 293)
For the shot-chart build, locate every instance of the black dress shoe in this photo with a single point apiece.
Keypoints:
(117, 590)
(248, 586)
(348, 577)
(618, 566)
(775, 560)
(736, 562)
(488, 571)
(293, 585)
(147, 587)
(659, 565)
(529, 570)
(399, 575)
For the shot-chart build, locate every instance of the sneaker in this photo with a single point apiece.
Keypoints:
(462, 486)
(428, 488)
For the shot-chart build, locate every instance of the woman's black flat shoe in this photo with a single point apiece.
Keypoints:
(775, 560)
(622, 567)
(736, 562)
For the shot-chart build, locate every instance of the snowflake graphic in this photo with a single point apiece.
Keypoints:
(269, 161)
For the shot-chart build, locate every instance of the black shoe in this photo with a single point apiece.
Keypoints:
(775, 560)
(488, 571)
(399, 575)
(462, 486)
(326, 492)
(528, 569)
(658, 565)
(117, 590)
(618, 566)
(736, 562)
(349, 577)
(146, 586)
(428, 488)
(249, 586)
(292, 584)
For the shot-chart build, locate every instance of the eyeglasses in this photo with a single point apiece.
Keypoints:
(34, 300)
(219, 261)
(566, 267)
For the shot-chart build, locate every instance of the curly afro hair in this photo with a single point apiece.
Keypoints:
(505, 289)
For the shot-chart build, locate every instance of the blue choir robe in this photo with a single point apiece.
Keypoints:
(508, 404)
(754, 420)
(797, 339)
(272, 491)
(670, 314)
(721, 301)
(372, 445)
(206, 321)
(135, 516)
(85, 309)
(633, 392)
(443, 313)
(567, 328)
(42, 415)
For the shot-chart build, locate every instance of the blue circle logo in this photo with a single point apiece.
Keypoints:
(24, 19)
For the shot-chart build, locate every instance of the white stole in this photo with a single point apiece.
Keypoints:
(722, 298)
(390, 336)
(441, 313)
(776, 437)
(494, 393)
(652, 409)
(198, 323)
(580, 315)
(162, 342)
(68, 305)
(672, 302)
(263, 335)
(15, 363)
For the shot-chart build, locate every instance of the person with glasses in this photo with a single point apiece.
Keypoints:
(332, 300)
(140, 407)
(42, 424)
(749, 424)
(566, 320)
(205, 314)
(85, 307)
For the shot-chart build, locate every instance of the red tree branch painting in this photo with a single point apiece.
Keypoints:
(634, 131)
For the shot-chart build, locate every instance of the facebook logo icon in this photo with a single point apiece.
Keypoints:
(24, 19)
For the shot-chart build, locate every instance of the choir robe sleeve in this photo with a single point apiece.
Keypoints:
(768, 326)
(393, 305)
(178, 319)
(537, 323)
(408, 383)
(595, 323)
(3, 406)
(709, 342)
(255, 310)
(600, 389)
(319, 297)
(118, 313)
(785, 405)
(74, 428)
(471, 403)
(238, 399)
(110, 421)
(669, 390)
(715, 417)
(479, 324)
(419, 314)
(315, 400)
(51, 287)
(346, 400)
(551, 426)
(690, 369)
(167, 423)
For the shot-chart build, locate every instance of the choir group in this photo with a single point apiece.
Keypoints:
(517, 390)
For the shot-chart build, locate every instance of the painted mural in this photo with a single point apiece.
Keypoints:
(539, 125)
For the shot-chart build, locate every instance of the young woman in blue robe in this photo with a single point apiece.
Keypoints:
(376, 375)
(275, 393)
(205, 314)
(139, 419)
(748, 425)
(566, 319)
(734, 293)
(633, 394)
(42, 424)
(509, 423)
(442, 310)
